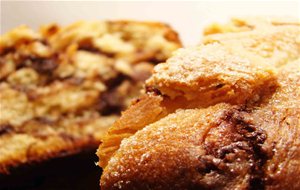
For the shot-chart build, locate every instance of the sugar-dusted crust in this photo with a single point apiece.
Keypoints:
(62, 87)
(200, 141)
(211, 73)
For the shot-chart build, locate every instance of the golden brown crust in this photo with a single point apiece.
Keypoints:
(147, 110)
(279, 116)
(172, 142)
(62, 87)
(223, 146)
(248, 144)
(211, 73)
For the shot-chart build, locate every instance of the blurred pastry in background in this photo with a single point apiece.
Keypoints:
(62, 87)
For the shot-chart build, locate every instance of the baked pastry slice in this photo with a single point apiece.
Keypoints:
(221, 147)
(193, 78)
(62, 87)
(239, 135)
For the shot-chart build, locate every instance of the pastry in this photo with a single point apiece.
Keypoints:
(223, 115)
(62, 87)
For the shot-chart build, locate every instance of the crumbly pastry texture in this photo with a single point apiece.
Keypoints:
(62, 87)
(222, 115)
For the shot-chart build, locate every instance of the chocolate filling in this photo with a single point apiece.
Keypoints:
(44, 65)
(243, 150)
(151, 89)
(5, 129)
(110, 103)
(7, 50)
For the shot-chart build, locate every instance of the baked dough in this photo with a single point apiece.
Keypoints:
(186, 133)
(62, 87)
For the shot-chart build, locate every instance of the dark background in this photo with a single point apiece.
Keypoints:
(74, 172)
